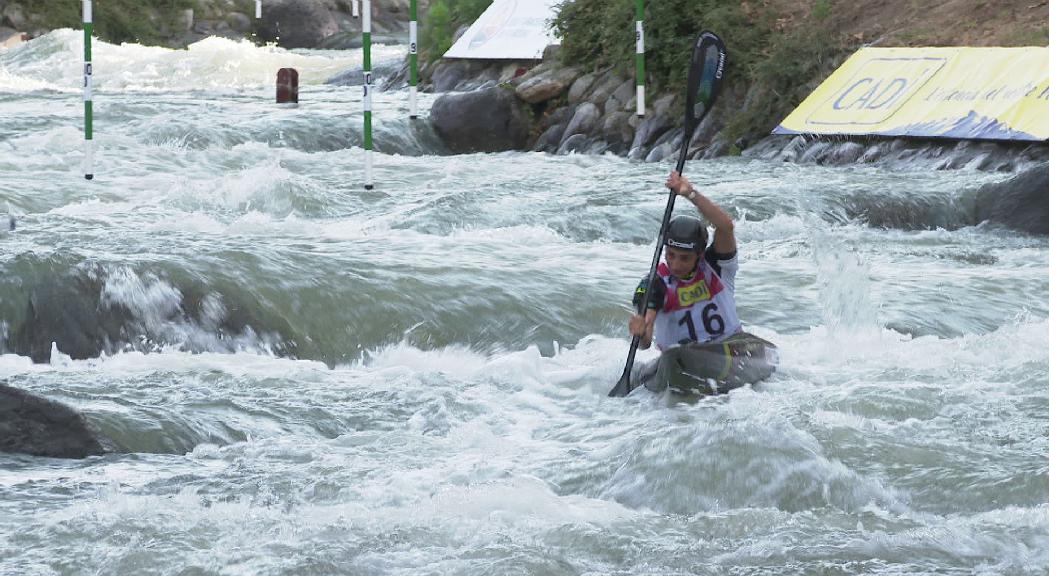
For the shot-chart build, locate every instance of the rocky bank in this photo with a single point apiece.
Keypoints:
(565, 110)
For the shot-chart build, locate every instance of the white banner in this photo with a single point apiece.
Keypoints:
(509, 30)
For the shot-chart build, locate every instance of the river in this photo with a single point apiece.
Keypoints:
(455, 332)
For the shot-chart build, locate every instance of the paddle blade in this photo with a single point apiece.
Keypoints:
(704, 78)
(622, 388)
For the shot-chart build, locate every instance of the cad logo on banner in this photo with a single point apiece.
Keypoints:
(962, 93)
(877, 91)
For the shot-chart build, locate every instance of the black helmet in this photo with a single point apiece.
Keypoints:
(687, 233)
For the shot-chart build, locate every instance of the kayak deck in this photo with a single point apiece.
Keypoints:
(710, 368)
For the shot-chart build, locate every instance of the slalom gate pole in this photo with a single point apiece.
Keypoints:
(413, 60)
(367, 27)
(640, 18)
(258, 9)
(89, 135)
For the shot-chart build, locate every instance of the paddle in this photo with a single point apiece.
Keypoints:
(704, 81)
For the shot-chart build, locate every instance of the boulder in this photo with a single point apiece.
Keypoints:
(793, 150)
(239, 22)
(489, 120)
(621, 96)
(815, 152)
(718, 148)
(577, 143)
(845, 153)
(651, 128)
(583, 121)
(659, 152)
(604, 88)
(296, 23)
(664, 106)
(616, 128)
(546, 85)
(666, 145)
(562, 116)
(598, 147)
(765, 149)
(37, 426)
(581, 88)
(871, 155)
(549, 140)
(462, 75)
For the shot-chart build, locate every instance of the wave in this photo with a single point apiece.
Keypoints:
(54, 61)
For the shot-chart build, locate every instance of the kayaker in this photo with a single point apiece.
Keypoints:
(693, 299)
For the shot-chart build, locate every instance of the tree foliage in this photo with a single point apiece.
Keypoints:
(442, 20)
(600, 34)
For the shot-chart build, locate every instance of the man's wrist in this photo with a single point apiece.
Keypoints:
(692, 194)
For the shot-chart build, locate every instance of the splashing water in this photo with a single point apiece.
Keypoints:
(456, 331)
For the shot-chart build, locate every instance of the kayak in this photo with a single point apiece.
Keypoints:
(696, 369)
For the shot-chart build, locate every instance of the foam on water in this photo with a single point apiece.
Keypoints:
(457, 331)
(54, 62)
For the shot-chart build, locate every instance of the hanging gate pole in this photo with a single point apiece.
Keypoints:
(367, 27)
(413, 60)
(89, 152)
(640, 57)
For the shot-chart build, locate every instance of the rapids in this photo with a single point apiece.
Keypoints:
(455, 332)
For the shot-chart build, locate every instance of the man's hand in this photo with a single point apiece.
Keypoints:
(637, 325)
(679, 184)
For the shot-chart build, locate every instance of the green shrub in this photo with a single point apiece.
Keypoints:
(821, 9)
(442, 20)
(116, 21)
(600, 34)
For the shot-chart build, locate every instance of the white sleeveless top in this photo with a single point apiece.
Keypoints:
(702, 308)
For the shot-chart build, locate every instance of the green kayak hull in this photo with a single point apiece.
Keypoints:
(712, 368)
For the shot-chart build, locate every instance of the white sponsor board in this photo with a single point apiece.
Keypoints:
(509, 30)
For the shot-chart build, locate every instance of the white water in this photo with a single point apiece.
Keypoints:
(459, 329)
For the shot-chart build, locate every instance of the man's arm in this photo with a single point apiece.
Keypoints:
(724, 228)
(644, 327)
(645, 331)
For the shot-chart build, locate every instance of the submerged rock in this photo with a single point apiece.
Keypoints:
(37, 426)
(355, 76)
(77, 313)
(1022, 202)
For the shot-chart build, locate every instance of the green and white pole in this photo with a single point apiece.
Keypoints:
(640, 57)
(89, 136)
(413, 60)
(367, 28)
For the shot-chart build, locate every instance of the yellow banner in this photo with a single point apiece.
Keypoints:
(965, 93)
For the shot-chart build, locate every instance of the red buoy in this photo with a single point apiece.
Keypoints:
(287, 86)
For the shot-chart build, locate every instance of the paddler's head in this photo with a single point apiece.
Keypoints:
(686, 240)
